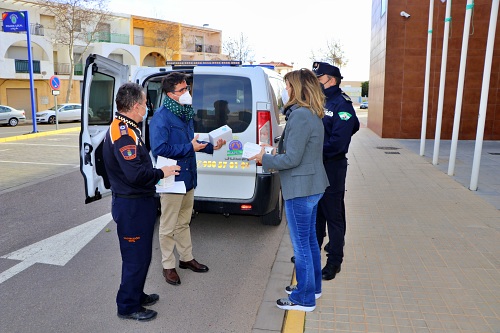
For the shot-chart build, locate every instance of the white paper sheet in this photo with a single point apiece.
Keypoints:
(167, 181)
(250, 149)
(168, 184)
(177, 187)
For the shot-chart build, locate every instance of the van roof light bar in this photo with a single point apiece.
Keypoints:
(174, 63)
(261, 65)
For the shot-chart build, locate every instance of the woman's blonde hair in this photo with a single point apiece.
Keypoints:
(306, 91)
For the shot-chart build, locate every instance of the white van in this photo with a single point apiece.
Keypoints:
(246, 98)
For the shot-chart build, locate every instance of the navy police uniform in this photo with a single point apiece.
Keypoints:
(340, 122)
(133, 179)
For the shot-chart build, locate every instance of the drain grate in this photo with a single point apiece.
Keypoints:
(388, 148)
(392, 152)
(494, 153)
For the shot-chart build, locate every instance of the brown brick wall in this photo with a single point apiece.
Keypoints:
(397, 70)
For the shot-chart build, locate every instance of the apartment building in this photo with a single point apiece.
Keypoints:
(130, 40)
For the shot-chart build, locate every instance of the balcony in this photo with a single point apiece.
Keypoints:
(148, 41)
(108, 37)
(37, 29)
(199, 48)
(22, 66)
(64, 69)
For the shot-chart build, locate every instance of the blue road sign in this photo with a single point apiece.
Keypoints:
(54, 82)
(14, 22)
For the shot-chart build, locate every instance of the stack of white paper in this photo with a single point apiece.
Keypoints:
(168, 184)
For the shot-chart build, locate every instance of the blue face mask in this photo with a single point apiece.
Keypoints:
(145, 116)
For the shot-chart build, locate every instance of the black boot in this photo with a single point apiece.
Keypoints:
(329, 271)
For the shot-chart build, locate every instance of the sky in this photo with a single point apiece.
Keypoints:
(276, 30)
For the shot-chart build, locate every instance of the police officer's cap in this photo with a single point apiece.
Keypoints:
(322, 68)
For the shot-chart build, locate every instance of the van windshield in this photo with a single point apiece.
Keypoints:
(218, 100)
(221, 100)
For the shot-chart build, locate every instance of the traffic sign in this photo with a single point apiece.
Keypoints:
(54, 82)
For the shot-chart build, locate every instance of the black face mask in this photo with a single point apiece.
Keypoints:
(322, 86)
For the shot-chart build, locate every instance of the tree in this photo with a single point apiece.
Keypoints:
(333, 54)
(238, 49)
(364, 88)
(167, 38)
(78, 22)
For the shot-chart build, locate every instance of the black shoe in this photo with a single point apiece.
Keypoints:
(150, 300)
(292, 259)
(329, 271)
(193, 265)
(142, 315)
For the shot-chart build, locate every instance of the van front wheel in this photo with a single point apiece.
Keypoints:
(275, 216)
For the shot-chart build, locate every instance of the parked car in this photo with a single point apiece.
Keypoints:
(65, 112)
(363, 105)
(11, 116)
(245, 98)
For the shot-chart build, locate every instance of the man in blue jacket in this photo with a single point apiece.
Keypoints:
(340, 124)
(172, 136)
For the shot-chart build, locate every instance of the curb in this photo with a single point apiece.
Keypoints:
(294, 320)
(34, 135)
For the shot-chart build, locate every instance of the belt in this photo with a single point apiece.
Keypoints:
(134, 196)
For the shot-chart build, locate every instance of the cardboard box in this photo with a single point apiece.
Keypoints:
(224, 132)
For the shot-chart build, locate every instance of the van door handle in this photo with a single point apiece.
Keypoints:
(277, 139)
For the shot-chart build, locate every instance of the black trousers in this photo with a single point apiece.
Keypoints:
(331, 212)
(135, 220)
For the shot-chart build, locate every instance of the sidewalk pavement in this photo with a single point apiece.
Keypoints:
(422, 251)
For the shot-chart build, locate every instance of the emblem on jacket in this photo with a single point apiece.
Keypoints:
(345, 115)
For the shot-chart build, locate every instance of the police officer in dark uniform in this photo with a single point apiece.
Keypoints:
(134, 206)
(340, 124)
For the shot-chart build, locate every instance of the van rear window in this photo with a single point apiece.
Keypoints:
(221, 100)
(101, 99)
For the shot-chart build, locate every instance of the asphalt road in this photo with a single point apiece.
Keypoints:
(42, 195)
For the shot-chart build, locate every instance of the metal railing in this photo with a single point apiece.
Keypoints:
(37, 29)
(22, 66)
(199, 48)
(148, 41)
(78, 69)
(108, 37)
(154, 42)
(64, 69)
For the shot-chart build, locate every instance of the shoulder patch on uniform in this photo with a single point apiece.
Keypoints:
(344, 115)
(328, 113)
(346, 97)
(123, 129)
(128, 152)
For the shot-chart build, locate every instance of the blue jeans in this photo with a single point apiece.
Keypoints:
(301, 217)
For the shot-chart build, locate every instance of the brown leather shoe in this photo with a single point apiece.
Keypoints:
(171, 276)
(193, 265)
